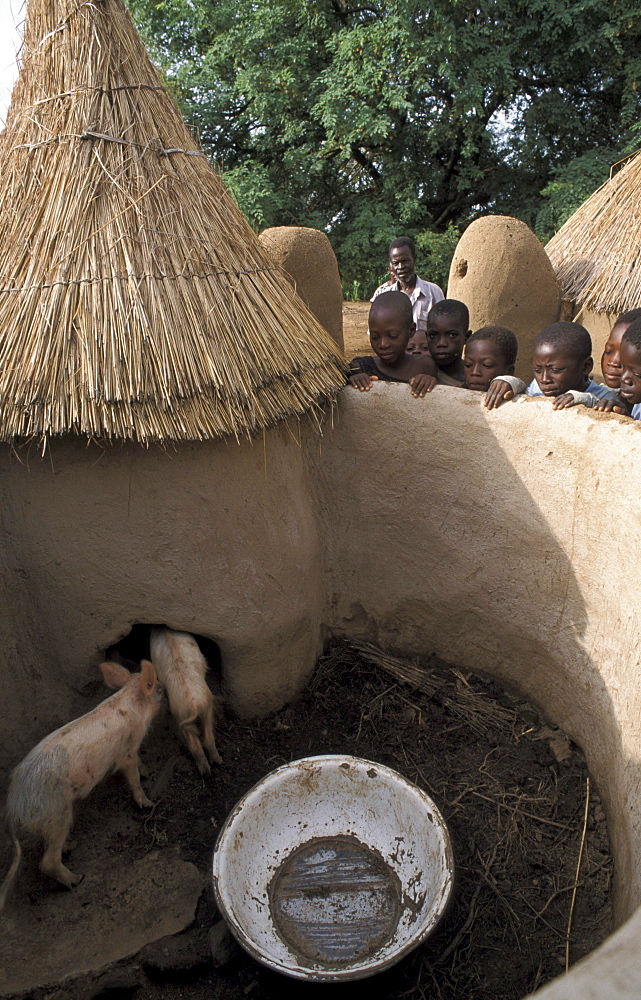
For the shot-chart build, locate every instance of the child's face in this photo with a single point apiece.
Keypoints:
(446, 339)
(389, 334)
(611, 361)
(557, 371)
(417, 343)
(630, 372)
(483, 361)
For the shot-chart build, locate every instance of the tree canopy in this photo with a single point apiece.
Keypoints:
(372, 118)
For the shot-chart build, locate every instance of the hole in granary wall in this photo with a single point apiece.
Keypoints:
(134, 647)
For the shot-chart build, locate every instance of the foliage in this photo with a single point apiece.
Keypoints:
(373, 118)
(571, 186)
(435, 252)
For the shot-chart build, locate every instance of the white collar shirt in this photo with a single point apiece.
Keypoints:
(423, 296)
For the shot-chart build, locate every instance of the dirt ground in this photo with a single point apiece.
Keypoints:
(355, 329)
(511, 788)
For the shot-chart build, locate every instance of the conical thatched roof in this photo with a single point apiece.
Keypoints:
(596, 254)
(135, 301)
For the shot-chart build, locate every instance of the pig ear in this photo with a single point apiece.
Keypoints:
(114, 675)
(147, 676)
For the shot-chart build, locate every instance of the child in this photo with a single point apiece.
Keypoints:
(628, 399)
(418, 343)
(447, 330)
(630, 352)
(562, 364)
(391, 325)
(489, 353)
(610, 360)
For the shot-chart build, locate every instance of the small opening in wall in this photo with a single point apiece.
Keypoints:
(134, 647)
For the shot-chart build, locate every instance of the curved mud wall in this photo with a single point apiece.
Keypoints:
(505, 542)
(216, 539)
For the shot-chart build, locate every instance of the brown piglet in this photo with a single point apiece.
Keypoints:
(182, 668)
(68, 763)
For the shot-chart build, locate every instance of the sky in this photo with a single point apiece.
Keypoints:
(11, 16)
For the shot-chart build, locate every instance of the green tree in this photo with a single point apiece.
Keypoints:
(372, 118)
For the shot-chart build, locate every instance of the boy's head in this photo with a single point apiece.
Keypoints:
(631, 363)
(402, 258)
(418, 343)
(448, 327)
(489, 352)
(610, 359)
(561, 359)
(391, 324)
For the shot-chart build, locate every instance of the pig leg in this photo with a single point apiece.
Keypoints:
(207, 722)
(130, 769)
(55, 840)
(190, 734)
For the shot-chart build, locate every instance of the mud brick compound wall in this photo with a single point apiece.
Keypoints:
(503, 541)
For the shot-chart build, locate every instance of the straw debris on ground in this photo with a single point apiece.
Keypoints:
(135, 301)
(596, 254)
(511, 787)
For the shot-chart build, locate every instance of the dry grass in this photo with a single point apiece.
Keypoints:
(596, 254)
(135, 301)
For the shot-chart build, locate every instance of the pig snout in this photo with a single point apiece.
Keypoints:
(182, 669)
(68, 763)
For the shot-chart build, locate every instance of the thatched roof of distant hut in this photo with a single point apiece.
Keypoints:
(135, 300)
(597, 253)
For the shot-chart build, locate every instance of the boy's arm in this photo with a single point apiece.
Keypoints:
(427, 365)
(615, 405)
(425, 379)
(362, 381)
(605, 405)
(359, 379)
(502, 388)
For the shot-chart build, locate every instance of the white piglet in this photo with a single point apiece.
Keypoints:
(182, 668)
(68, 763)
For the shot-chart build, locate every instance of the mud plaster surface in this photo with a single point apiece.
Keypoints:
(485, 756)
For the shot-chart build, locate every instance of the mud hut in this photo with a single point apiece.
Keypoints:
(258, 544)
(138, 308)
(307, 257)
(596, 253)
(502, 273)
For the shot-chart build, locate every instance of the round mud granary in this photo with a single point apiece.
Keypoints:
(502, 273)
(307, 257)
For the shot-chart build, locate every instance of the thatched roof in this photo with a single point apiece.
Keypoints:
(596, 254)
(135, 301)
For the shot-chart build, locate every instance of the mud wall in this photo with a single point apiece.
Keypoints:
(502, 541)
(307, 257)
(216, 539)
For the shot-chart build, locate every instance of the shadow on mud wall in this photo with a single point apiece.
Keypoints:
(444, 526)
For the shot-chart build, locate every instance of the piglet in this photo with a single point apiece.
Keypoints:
(182, 667)
(68, 763)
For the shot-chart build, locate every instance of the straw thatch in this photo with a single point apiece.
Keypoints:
(597, 253)
(135, 301)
